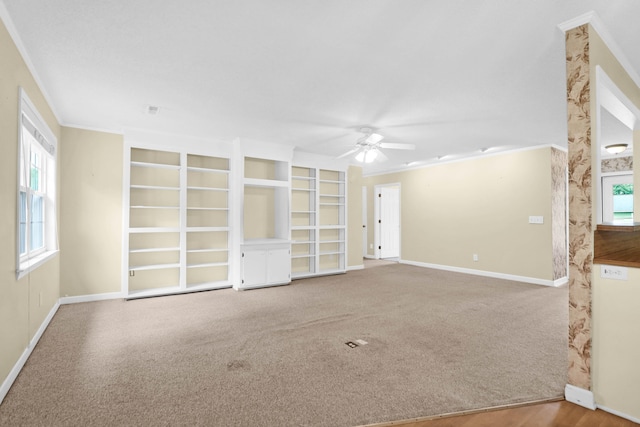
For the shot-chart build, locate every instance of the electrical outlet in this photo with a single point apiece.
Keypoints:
(475, 257)
(370, 245)
(613, 272)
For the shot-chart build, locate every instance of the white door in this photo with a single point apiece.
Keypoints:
(617, 198)
(389, 222)
(364, 222)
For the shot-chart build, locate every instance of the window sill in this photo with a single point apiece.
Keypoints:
(28, 266)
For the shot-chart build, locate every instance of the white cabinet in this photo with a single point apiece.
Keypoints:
(265, 263)
(279, 265)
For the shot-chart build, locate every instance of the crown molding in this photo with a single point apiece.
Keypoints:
(17, 41)
(468, 158)
(593, 19)
(585, 18)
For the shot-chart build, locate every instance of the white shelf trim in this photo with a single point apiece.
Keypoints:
(255, 182)
(154, 207)
(196, 251)
(151, 250)
(208, 285)
(153, 266)
(154, 187)
(208, 170)
(208, 189)
(208, 264)
(155, 165)
(330, 271)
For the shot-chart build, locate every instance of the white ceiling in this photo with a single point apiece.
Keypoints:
(451, 77)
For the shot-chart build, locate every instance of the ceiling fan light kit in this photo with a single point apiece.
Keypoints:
(368, 147)
(616, 148)
(367, 155)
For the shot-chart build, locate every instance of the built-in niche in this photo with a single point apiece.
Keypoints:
(617, 235)
(616, 171)
(617, 118)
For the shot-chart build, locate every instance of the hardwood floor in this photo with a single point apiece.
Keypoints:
(550, 414)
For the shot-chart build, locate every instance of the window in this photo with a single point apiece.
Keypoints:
(37, 238)
(617, 198)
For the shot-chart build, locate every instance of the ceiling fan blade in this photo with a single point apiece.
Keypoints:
(374, 138)
(397, 146)
(353, 150)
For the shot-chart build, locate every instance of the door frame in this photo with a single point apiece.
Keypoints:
(376, 218)
(365, 223)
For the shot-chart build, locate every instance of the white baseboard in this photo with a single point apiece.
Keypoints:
(355, 267)
(495, 275)
(619, 414)
(91, 298)
(561, 281)
(579, 396)
(8, 382)
(370, 257)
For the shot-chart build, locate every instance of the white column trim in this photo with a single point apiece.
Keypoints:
(580, 396)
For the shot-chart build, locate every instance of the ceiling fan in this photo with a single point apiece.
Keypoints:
(368, 147)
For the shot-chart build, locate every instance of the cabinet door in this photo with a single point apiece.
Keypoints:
(279, 268)
(254, 268)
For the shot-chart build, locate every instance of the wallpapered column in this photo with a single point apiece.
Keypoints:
(559, 212)
(580, 206)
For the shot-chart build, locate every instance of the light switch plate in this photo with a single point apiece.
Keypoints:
(536, 219)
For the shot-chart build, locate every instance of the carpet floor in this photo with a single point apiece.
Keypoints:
(436, 342)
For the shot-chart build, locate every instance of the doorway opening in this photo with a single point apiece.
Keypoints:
(387, 221)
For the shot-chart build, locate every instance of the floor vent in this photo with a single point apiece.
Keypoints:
(351, 344)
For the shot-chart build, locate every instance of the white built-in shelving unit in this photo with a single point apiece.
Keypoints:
(318, 215)
(265, 248)
(204, 214)
(177, 233)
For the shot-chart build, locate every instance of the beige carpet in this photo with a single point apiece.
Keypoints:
(437, 342)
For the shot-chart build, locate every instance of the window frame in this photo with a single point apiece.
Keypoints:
(34, 136)
(608, 180)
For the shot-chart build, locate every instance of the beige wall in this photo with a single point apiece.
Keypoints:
(614, 304)
(480, 206)
(90, 212)
(354, 220)
(24, 304)
(616, 347)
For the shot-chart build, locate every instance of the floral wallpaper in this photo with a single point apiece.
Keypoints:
(617, 164)
(580, 205)
(559, 212)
